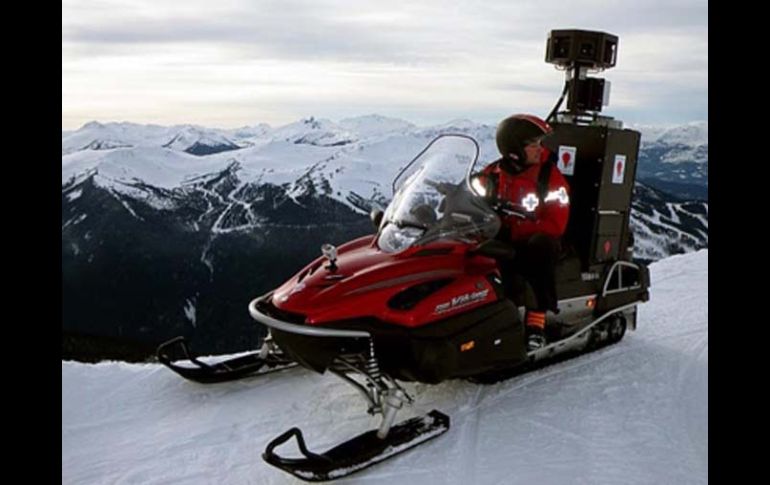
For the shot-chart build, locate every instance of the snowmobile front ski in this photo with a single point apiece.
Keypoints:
(358, 453)
(266, 360)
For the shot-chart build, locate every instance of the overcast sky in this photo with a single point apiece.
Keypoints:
(229, 63)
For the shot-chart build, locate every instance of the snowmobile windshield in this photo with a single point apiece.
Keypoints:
(433, 199)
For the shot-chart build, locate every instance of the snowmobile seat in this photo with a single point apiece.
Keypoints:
(568, 266)
(568, 263)
(521, 292)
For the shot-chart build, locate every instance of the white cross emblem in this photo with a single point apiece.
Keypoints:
(560, 195)
(530, 202)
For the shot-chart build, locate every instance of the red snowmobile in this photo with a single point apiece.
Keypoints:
(423, 300)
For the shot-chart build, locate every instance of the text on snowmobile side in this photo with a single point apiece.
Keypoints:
(461, 300)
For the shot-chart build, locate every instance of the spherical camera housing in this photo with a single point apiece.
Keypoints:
(584, 48)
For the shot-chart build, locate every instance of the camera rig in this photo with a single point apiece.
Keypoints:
(579, 52)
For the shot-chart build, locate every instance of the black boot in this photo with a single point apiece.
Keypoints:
(535, 330)
(535, 338)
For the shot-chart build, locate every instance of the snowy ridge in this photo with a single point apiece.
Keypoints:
(108, 136)
(312, 131)
(676, 158)
(662, 228)
(249, 135)
(308, 161)
(633, 413)
(324, 137)
(690, 134)
(351, 162)
(198, 141)
(374, 125)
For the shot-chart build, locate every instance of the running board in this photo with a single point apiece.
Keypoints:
(575, 339)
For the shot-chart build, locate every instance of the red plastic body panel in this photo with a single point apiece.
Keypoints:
(366, 278)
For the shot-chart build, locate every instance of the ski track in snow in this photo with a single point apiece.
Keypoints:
(635, 412)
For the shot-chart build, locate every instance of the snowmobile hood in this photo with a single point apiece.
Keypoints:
(366, 278)
(417, 271)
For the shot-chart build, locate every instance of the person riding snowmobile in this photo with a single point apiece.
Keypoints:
(526, 180)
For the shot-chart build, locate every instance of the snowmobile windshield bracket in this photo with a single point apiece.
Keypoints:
(301, 329)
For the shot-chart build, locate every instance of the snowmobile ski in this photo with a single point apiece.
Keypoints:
(255, 363)
(358, 453)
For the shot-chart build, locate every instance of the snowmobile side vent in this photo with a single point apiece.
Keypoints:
(410, 297)
(302, 275)
(315, 266)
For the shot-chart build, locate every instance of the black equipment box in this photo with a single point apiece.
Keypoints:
(599, 164)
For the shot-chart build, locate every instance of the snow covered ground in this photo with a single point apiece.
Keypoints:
(635, 412)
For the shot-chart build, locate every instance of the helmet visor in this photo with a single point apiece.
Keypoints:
(547, 140)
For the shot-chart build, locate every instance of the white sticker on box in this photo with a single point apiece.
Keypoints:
(566, 161)
(619, 169)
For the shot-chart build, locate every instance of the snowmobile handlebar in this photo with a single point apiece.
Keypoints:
(500, 206)
(510, 209)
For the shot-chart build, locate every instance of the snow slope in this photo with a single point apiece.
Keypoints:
(635, 412)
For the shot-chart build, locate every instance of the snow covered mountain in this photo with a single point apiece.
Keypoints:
(351, 162)
(675, 159)
(186, 138)
(632, 413)
(168, 230)
(663, 227)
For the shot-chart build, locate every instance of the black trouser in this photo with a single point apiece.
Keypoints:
(535, 260)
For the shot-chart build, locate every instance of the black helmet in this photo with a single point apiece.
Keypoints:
(515, 132)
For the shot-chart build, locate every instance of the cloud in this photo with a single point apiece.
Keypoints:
(441, 55)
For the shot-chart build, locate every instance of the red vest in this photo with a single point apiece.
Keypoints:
(551, 212)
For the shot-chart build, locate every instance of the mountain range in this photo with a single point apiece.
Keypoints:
(171, 230)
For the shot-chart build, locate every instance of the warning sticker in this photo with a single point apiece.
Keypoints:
(566, 162)
(619, 169)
